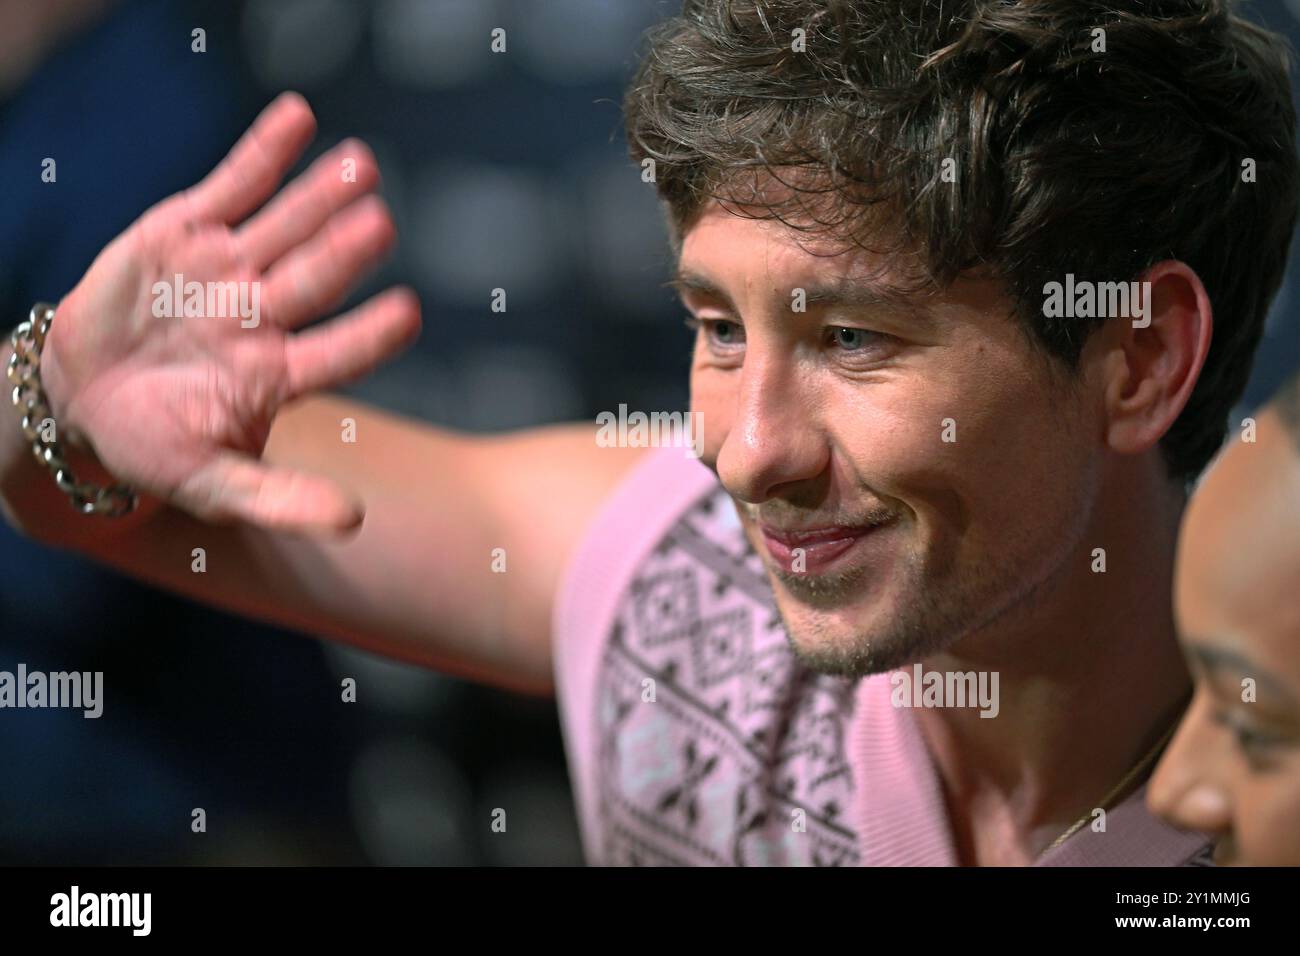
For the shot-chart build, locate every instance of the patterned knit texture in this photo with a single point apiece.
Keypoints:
(717, 747)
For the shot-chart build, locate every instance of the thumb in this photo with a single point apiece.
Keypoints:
(235, 487)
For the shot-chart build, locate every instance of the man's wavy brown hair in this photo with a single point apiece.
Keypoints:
(1067, 160)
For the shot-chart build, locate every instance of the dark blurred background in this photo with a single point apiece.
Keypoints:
(504, 171)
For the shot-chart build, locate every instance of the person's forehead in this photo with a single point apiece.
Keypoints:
(1238, 570)
(1249, 493)
(726, 251)
(720, 229)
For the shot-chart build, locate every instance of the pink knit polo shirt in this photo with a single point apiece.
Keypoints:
(695, 737)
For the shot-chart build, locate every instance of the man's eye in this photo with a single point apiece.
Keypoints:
(720, 332)
(851, 340)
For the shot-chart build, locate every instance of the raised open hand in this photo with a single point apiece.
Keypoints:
(180, 405)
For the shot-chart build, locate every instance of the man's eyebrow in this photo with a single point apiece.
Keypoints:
(850, 292)
(859, 293)
(1236, 664)
(685, 281)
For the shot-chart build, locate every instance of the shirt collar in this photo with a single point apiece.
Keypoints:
(902, 819)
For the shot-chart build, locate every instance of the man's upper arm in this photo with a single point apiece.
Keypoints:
(544, 487)
(439, 505)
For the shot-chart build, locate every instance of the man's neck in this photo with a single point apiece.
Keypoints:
(1090, 679)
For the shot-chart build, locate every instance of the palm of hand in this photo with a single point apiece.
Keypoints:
(181, 406)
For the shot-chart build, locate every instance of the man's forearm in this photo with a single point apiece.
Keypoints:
(408, 584)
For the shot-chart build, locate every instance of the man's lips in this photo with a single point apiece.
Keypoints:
(818, 547)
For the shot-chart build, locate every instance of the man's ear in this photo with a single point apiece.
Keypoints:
(1150, 361)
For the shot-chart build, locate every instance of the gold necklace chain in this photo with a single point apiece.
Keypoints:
(1119, 787)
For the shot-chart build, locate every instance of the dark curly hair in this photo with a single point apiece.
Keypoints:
(1066, 158)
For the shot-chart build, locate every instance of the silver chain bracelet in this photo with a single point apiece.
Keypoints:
(29, 398)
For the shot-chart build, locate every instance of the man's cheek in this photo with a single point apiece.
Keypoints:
(710, 409)
(893, 452)
(711, 439)
(919, 462)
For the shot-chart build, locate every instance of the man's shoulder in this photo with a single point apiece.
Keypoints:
(641, 494)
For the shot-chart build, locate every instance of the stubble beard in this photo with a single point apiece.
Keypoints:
(933, 608)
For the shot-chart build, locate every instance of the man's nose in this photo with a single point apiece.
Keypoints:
(1188, 787)
(774, 439)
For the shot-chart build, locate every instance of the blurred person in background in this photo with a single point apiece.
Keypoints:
(131, 110)
(114, 94)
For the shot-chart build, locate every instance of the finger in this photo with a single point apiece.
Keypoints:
(254, 167)
(235, 487)
(345, 173)
(351, 345)
(315, 277)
